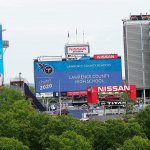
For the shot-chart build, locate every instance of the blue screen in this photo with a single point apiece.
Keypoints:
(1, 54)
(74, 75)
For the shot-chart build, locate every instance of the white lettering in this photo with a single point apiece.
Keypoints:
(113, 88)
(126, 88)
(109, 88)
(101, 89)
(106, 56)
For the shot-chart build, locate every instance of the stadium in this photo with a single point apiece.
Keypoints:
(76, 80)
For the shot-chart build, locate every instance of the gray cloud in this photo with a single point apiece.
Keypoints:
(39, 27)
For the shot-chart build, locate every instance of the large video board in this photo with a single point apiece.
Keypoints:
(76, 75)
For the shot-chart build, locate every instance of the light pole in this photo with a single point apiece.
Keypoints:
(143, 65)
(59, 99)
(20, 79)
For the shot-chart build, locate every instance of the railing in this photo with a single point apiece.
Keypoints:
(35, 101)
(49, 58)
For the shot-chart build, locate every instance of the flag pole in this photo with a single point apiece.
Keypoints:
(68, 37)
(83, 36)
(59, 99)
(76, 35)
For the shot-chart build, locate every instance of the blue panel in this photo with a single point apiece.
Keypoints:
(1, 53)
(76, 74)
(85, 57)
(0, 32)
(77, 113)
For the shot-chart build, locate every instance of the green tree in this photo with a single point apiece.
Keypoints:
(24, 123)
(38, 131)
(144, 120)
(129, 104)
(59, 124)
(7, 97)
(111, 134)
(96, 133)
(10, 94)
(67, 141)
(118, 131)
(32, 89)
(136, 143)
(11, 144)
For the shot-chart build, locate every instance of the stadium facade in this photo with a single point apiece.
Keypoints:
(136, 34)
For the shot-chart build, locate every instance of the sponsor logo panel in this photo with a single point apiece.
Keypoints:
(105, 56)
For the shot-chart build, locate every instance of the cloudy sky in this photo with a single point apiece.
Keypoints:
(39, 28)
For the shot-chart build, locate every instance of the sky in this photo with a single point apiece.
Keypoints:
(39, 28)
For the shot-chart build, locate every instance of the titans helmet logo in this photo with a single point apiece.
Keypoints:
(46, 68)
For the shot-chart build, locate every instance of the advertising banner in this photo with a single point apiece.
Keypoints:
(76, 75)
(105, 56)
(79, 93)
(112, 103)
(77, 49)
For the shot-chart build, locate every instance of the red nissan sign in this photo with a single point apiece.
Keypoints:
(92, 92)
(77, 93)
(105, 56)
(77, 50)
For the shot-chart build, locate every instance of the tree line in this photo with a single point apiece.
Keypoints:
(23, 128)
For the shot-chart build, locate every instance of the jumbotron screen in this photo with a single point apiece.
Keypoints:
(76, 75)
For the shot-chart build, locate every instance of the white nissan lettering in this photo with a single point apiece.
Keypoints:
(109, 88)
(78, 48)
(101, 89)
(114, 88)
(127, 88)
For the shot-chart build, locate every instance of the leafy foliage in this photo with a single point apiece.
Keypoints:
(129, 103)
(19, 120)
(32, 89)
(11, 144)
(136, 143)
(118, 131)
(67, 141)
(10, 94)
(144, 120)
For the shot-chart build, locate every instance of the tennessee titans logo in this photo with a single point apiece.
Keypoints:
(46, 68)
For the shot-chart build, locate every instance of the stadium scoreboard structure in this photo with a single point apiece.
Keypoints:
(76, 51)
(75, 75)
